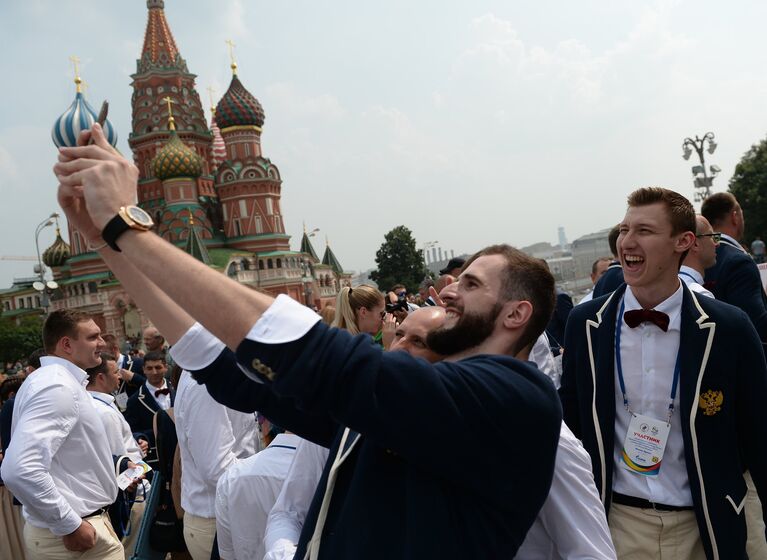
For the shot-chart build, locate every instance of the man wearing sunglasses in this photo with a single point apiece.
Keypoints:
(702, 255)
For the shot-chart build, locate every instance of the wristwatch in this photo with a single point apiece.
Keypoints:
(129, 217)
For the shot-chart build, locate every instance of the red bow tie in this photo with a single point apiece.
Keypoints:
(159, 392)
(639, 316)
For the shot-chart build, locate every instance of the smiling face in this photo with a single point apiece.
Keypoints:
(472, 307)
(370, 320)
(647, 248)
(411, 334)
(155, 371)
(84, 350)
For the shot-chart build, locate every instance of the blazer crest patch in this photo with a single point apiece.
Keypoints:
(711, 402)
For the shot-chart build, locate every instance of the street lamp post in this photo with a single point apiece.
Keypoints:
(702, 179)
(41, 286)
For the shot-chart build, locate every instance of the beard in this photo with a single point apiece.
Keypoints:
(471, 330)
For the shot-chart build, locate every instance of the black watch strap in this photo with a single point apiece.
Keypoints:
(113, 230)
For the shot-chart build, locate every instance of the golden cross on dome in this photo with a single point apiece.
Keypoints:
(75, 60)
(231, 56)
(171, 120)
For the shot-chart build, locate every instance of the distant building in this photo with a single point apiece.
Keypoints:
(588, 248)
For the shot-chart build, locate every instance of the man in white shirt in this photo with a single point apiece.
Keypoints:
(245, 495)
(103, 381)
(207, 441)
(702, 255)
(59, 463)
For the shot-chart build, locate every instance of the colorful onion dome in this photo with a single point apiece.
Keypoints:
(58, 253)
(238, 107)
(80, 116)
(176, 159)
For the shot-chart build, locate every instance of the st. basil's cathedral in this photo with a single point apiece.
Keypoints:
(210, 190)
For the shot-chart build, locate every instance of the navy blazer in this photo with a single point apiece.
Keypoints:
(140, 412)
(735, 279)
(610, 281)
(721, 356)
(555, 330)
(439, 461)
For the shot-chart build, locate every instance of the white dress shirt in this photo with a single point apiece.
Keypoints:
(289, 512)
(728, 240)
(59, 464)
(694, 280)
(206, 442)
(648, 356)
(119, 435)
(541, 355)
(246, 493)
(247, 435)
(572, 522)
(587, 297)
(162, 400)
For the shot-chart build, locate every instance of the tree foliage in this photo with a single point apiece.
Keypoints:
(399, 262)
(749, 185)
(19, 341)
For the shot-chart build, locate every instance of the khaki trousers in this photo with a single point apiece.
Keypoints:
(645, 534)
(41, 544)
(756, 546)
(11, 527)
(199, 533)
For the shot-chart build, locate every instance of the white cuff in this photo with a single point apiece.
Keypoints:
(286, 320)
(283, 549)
(197, 349)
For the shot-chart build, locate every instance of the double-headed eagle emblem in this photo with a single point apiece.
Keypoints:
(711, 402)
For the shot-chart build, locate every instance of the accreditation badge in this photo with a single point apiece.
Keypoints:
(644, 445)
(121, 400)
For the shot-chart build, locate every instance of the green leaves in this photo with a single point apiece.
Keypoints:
(749, 185)
(399, 262)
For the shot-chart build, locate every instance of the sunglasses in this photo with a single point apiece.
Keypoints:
(716, 236)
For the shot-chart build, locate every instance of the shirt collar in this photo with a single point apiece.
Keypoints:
(697, 276)
(731, 241)
(671, 306)
(291, 440)
(104, 397)
(80, 376)
(152, 388)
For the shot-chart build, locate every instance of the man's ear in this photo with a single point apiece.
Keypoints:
(516, 314)
(65, 345)
(685, 241)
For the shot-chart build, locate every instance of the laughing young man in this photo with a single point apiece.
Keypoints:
(671, 414)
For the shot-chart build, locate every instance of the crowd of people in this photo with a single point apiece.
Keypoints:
(493, 419)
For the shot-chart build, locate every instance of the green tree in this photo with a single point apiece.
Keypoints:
(399, 262)
(19, 341)
(749, 185)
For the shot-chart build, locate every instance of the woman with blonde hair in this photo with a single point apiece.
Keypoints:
(359, 310)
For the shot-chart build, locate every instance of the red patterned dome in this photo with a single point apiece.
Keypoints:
(238, 107)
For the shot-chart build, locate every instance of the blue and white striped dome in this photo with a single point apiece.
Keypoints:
(80, 116)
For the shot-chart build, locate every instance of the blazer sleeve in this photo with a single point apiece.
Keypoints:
(229, 386)
(752, 395)
(392, 396)
(743, 289)
(571, 359)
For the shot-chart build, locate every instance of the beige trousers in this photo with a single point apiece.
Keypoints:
(645, 534)
(199, 533)
(11, 527)
(756, 546)
(41, 544)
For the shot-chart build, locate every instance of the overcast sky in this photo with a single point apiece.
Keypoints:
(469, 122)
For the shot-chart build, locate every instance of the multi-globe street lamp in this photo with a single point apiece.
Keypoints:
(41, 285)
(702, 179)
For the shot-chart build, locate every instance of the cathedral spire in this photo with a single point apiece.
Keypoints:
(233, 65)
(159, 50)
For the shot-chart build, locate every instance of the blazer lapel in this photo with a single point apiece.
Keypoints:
(147, 401)
(695, 338)
(600, 338)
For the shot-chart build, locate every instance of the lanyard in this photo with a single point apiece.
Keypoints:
(619, 367)
(690, 276)
(95, 398)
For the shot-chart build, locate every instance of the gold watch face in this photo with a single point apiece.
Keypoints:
(139, 216)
